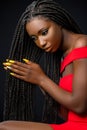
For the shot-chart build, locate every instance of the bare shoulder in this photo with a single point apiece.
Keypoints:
(81, 41)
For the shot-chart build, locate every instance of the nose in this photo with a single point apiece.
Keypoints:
(42, 42)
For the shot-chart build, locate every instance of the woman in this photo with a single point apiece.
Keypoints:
(52, 29)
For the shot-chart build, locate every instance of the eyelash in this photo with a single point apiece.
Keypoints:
(33, 38)
(44, 32)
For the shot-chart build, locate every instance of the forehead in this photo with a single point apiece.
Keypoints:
(37, 24)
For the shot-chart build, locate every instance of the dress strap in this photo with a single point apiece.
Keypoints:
(76, 53)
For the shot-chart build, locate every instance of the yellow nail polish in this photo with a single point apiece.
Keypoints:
(5, 68)
(26, 60)
(8, 67)
(7, 60)
(12, 74)
(11, 61)
(7, 63)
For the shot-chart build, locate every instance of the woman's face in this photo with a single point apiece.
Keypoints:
(46, 34)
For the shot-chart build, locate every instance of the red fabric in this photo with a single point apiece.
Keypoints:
(77, 53)
(74, 121)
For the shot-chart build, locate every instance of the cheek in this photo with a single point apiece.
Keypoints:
(37, 44)
(54, 34)
(58, 36)
(54, 38)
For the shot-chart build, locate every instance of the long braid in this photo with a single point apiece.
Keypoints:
(56, 13)
(19, 94)
(16, 89)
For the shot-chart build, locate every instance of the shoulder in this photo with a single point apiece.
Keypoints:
(81, 60)
(81, 41)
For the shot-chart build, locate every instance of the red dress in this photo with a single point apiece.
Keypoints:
(74, 121)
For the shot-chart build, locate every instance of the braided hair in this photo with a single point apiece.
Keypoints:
(18, 103)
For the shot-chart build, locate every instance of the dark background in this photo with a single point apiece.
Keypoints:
(10, 11)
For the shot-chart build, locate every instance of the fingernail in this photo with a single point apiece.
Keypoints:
(8, 67)
(11, 61)
(12, 74)
(7, 63)
(5, 68)
(7, 60)
(25, 60)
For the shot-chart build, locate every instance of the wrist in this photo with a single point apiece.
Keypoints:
(43, 81)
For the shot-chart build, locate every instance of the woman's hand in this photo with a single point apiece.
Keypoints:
(28, 71)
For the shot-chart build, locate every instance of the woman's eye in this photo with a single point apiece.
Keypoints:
(34, 38)
(45, 32)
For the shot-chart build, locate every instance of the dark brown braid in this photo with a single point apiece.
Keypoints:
(19, 94)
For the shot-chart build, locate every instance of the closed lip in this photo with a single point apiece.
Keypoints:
(48, 49)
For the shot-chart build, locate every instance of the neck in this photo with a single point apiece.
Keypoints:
(68, 41)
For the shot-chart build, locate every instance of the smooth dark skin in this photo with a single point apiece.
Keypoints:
(49, 36)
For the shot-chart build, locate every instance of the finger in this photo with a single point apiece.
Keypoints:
(18, 67)
(17, 76)
(8, 67)
(20, 64)
(5, 68)
(18, 71)
(6, 64)
(12, 62)
(27, 61)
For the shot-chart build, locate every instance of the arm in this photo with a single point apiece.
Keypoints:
(77, 100)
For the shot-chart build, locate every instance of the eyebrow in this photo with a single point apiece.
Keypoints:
(40, 30)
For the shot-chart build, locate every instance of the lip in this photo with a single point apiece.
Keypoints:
(48, 49)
